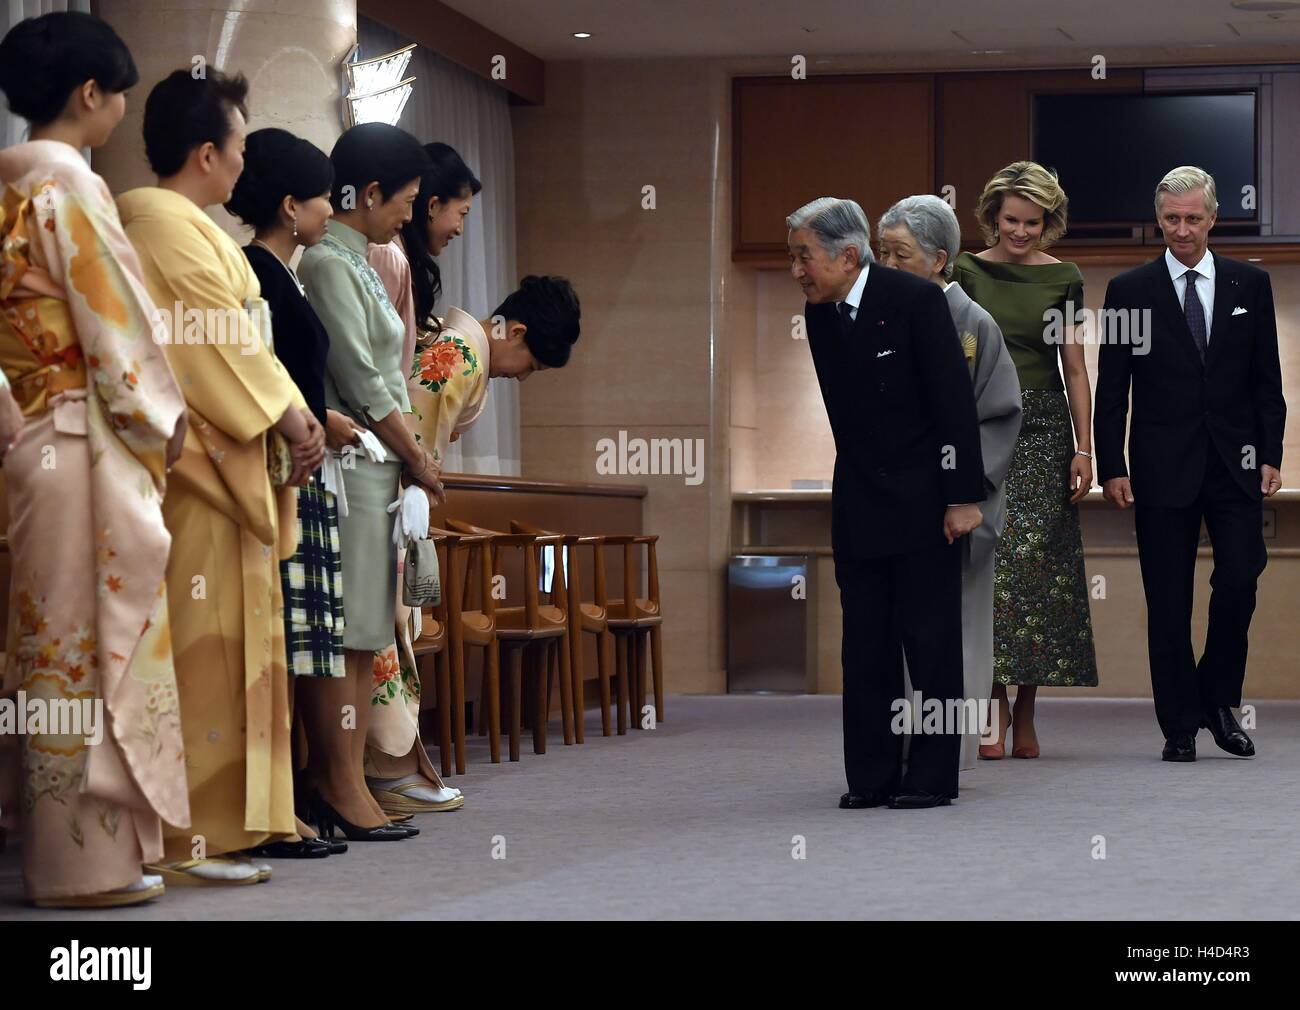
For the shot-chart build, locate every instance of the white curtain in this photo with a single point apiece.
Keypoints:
(453, 106)
(12, 129)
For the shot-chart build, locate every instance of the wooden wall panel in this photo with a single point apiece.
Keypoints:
(983, 124)
(870, 139)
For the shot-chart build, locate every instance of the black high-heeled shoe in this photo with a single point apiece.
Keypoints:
(326, 819)
(308, 848)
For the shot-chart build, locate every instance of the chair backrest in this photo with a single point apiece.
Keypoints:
(473, 548)
(531, 545)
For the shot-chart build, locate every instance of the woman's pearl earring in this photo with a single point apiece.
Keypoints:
(295, 227)
(370, 203)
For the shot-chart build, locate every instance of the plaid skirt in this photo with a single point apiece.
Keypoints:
(313, 588)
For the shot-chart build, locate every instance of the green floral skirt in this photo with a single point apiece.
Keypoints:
(1042, 631)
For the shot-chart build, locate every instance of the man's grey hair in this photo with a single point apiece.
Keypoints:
(1186, 179)
(932, 223)
(838, 224)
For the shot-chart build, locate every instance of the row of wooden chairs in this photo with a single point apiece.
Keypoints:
(539, 643)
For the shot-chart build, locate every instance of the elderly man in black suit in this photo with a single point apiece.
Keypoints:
(908, 480)
(1206, 443)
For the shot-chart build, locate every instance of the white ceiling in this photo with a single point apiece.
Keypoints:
(740, 28)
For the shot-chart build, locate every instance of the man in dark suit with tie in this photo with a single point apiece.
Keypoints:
(1206, 443)
(908, 480)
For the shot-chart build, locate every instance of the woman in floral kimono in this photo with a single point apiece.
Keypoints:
(85, 477)
(398, 771)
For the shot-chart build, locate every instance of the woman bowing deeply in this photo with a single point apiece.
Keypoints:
(85, 479)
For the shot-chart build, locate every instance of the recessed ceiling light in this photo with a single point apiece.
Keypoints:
(582, 35)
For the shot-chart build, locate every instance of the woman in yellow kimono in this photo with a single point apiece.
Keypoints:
(85, 476)
(226, 520)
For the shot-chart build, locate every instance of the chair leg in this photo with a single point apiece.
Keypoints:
(604, 645)
(576, 643)
(624, 695)
(563, 669)
(542, 696)
(527, 697)
(492, 670)
(480, 713)
(442, 668)
(456, 706)
(516, 700)
(657, 662)
(638, 713)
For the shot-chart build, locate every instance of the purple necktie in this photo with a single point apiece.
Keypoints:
(1195, 313)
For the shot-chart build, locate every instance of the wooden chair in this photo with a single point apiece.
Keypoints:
(637, 622)
(532, 638)
(445, 632)
(590, 617)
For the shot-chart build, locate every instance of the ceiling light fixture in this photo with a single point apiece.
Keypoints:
(375, 90)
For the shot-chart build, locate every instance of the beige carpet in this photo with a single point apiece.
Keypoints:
(699, 817)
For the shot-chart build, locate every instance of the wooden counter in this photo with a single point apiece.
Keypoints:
(773, 521)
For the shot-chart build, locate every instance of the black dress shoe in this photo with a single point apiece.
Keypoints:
(1223, 726)
(858, 801)
(308, 848)
(917, 799)
(1179, 748)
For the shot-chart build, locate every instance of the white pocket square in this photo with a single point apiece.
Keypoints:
(881, 354)
(1239, 311)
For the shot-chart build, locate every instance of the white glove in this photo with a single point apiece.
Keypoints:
(372, 447)
(332, 471)
(412, 519)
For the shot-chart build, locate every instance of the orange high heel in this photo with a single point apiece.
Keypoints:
(995, 751)
(1028, 751)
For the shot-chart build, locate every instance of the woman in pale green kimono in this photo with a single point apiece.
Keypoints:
(377, 170)
(88, 619)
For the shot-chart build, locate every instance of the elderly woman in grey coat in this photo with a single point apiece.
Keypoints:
(920, 234)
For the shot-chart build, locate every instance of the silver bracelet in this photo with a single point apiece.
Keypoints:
(1083, 452)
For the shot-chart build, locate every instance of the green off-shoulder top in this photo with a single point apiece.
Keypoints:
(1020, 298)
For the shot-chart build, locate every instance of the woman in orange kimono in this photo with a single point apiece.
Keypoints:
(231, 527)
(85, 477)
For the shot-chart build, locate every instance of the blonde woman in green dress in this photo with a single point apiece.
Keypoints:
(1042, 631)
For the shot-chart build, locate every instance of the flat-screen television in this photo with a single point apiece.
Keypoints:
(1110, 151)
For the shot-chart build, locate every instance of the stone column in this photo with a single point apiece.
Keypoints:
(291, 51)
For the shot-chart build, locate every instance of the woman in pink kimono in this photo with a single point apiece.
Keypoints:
(88, 631)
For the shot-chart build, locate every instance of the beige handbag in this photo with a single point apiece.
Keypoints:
(421, 584)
